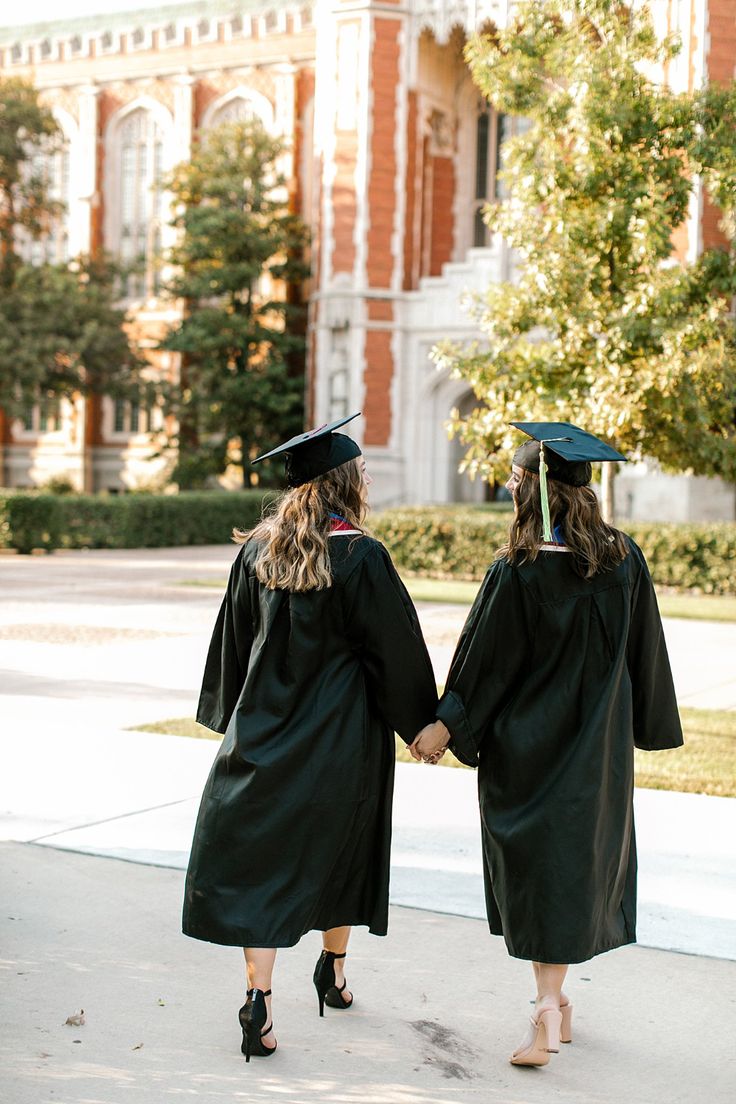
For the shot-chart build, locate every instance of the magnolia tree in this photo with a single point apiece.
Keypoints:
(602, 326)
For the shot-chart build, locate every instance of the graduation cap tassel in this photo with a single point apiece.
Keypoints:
(546, 526)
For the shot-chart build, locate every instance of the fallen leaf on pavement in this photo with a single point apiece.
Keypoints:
(75, 1020)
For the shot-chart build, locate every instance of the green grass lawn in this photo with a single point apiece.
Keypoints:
(692, 607)
(706, 764)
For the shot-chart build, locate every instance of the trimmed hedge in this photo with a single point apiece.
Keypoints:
(440, 541)
(443, 542)
(29, 520)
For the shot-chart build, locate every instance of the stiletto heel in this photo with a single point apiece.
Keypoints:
(543, 1039)
(566, 1025)
(325, 983)
(253, 1016)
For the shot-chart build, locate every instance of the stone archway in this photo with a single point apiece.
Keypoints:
(461, 487)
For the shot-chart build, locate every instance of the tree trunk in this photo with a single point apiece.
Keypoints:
(608, 475)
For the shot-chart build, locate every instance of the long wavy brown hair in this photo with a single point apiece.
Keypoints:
(295, 553)
(594, 545)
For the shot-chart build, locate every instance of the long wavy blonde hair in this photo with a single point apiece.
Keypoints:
(295, 553)
(594, 545)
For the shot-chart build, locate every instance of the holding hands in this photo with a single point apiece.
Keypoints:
(430, 744)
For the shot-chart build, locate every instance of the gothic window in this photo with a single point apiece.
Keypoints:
(236, 110)
(492, 131)
(141, 210)
(238, 105)
(482, 148)
(51, 167)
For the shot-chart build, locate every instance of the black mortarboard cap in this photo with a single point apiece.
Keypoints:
(569, 451)
(315, 452)
(565, 452)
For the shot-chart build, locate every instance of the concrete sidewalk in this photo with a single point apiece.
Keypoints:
(135, 796)
(438, 1008)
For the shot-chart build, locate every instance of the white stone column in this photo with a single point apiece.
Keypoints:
(183, 116)
(285, 122)
(88, 185)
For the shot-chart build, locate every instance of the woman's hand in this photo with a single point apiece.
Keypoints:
(431, 743)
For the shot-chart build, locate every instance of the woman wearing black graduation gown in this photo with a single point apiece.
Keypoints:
(560, 671)
(316, 658)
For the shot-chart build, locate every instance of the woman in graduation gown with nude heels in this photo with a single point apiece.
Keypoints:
(316, 658)
(560, 671)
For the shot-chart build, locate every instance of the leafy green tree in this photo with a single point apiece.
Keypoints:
(26, 127)
(60, 331)
(60, 334)
(602, 327)
(241, 342)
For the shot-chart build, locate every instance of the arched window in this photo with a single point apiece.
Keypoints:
(141, 209)
(234, 111)
(52, 167)
(242, 103)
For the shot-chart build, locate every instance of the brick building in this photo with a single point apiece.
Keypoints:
(393, 154)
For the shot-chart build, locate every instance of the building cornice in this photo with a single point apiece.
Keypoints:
(127, 33)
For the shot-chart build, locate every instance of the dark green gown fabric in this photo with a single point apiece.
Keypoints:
(554, 681)
(294, 828)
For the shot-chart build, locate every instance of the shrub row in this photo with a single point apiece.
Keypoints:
(460, 543)
(441, 542)
(29, 520)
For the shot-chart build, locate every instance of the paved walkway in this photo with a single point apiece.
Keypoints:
(438, 1007)
(92, 643)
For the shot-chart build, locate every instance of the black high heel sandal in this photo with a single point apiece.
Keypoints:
(253, 1016)
(325, 983)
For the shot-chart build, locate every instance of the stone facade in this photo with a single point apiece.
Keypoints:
(392, 156)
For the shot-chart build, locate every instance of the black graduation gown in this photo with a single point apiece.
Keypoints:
(294, 828)
(554, 681)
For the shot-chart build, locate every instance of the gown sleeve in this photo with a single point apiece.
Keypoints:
(383, 625)
(656, 719)
(490, 654)
(229, 651)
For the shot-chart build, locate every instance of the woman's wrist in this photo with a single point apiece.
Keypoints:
(443, 731)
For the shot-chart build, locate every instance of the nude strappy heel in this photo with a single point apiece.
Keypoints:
(566, 1025)
(543, 1039)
